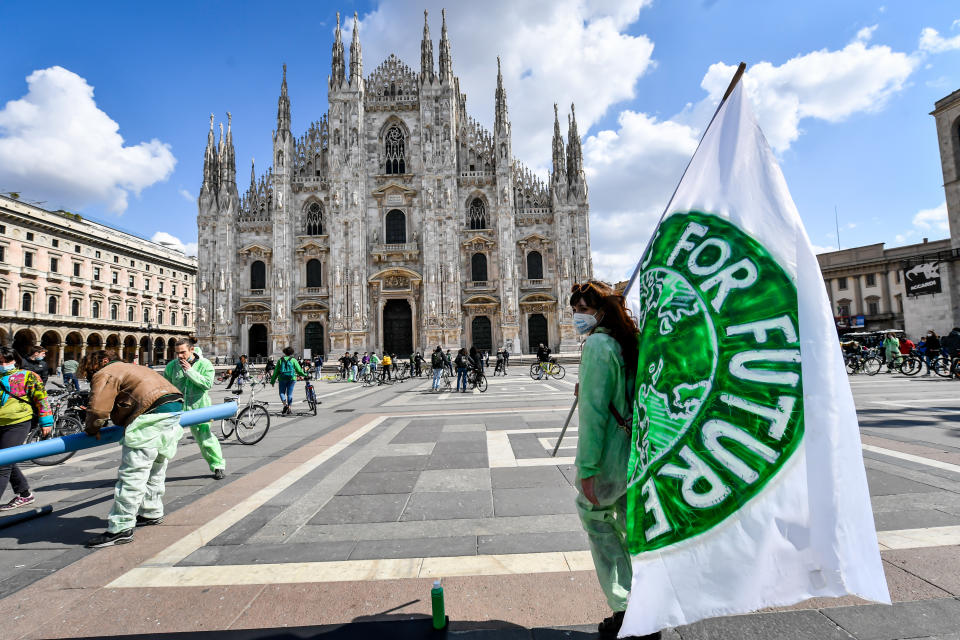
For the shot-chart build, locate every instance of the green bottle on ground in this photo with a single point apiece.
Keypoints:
(436, 597)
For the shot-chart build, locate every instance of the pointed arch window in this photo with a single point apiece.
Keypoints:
(395, 151)
(313, 222)
(534, 266)
(477, 214)
(478, 267)
(396, 227)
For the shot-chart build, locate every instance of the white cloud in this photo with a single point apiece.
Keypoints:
(827, 85)
(866, 34)
(934, 219)
(932, 42)
(186, 195)
(56, 144)
(164, 238)
(926, 223)
(551, 50)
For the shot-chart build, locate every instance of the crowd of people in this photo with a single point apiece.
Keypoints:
(889, 346)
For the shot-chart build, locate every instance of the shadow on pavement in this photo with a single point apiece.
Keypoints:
(401, 627)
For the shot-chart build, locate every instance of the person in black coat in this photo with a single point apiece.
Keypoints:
(932, 349)
(35, 362)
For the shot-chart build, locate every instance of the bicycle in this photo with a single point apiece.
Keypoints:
(68, 418)
(251, 422)
(908, 364)
(446, 381)
(223, 377)
(403, 372)
(857, 363)
(311, 396)
(477, 380)
(549, 369)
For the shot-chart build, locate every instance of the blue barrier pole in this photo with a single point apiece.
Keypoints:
(78, 441)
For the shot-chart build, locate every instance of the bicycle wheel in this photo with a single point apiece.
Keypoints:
(911, 366)
(852, 365)
(227, 427)
(535, 371)
(312, 400)
(955, 367)
(481, 382)
(941, 366)
(559, 371)
(871, 366)
(64, 426)
(253, 422)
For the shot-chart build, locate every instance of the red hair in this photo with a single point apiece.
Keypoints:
(615, 318)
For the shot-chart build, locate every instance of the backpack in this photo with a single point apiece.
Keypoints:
(286, 368)
(459, 362)
(436, 360)
(5, 389)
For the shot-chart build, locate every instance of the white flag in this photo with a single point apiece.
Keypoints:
(747, 485)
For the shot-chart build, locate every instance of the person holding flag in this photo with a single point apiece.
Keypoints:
(605, 390)
(746, 480)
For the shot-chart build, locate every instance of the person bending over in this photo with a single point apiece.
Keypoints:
(148, 408)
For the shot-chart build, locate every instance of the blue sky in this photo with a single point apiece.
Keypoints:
(843, 91)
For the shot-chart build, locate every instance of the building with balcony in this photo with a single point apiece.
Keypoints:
(396, 222)
(74, 285)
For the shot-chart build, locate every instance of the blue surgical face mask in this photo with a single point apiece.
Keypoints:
(584, 323)
(8, 367)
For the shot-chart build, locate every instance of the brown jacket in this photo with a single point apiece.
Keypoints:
(124, 391)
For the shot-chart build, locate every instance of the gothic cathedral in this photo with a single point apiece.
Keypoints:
(394, 223)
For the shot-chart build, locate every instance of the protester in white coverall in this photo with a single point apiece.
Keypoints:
(148, 408)
(607, 370)
(193, 375)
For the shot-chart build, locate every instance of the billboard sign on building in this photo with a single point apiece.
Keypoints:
(922, 279)
(857, 321)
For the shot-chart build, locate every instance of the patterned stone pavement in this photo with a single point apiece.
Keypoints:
(347, 517)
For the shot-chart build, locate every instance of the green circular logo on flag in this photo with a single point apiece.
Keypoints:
(719, 404)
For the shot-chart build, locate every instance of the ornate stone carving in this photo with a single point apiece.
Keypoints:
(396, 282)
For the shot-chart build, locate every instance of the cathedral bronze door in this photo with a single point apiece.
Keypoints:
(258, 341)
(397, 328)
(482, 334)
(537, 332)
(313, 338)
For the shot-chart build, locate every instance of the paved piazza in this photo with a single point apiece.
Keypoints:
(350, 515)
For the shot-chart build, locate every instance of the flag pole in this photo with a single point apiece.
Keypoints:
(733, 83)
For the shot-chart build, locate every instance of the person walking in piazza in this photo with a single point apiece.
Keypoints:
(148, 408)
(891, 349)
(36, 361)
(287, 371)
(317, 365)
(437, 364)
(192, 374)
(460, 362)
(607, 373)
(240, 369)
(69, 368)
(21, 395)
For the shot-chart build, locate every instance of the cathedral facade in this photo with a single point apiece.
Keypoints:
(394, 223)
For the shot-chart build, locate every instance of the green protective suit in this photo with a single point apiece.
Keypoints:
(892, 348)
(194, 384)
(148, 444)
(603, 453)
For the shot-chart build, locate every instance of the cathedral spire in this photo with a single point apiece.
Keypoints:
(228, 165)
(356, 57)
(446, 65)
(559, 163)
(426, 53)
(283, 105)
(338, 69)
(574, 151)
(253, 176)
(502, 118)
(211, 172)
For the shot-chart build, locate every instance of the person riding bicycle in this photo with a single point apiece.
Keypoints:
(418, 362)
(148, 408)
(951, 344)
(22, 395)
(239, 369)
(192, 374)
(287, 370)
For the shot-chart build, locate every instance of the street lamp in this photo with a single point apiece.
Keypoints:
(149, 344)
